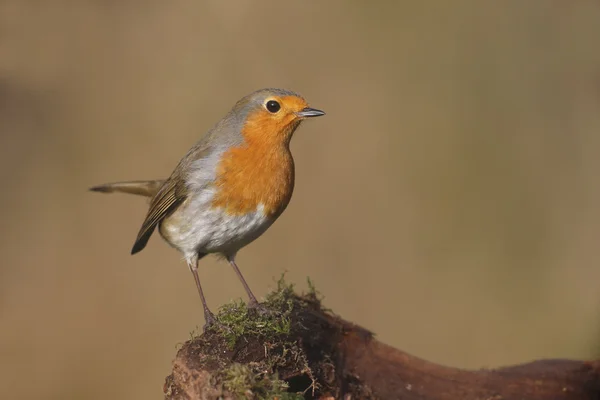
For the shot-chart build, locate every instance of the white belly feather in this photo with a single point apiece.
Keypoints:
(196, 227)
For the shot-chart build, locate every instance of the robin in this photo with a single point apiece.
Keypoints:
(230, 186)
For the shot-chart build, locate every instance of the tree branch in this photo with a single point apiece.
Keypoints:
(300, 350)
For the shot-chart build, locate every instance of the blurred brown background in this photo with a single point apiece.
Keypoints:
(449, 200)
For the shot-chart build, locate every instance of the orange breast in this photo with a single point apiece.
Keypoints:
(259, 172)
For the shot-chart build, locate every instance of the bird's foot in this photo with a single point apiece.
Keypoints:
(212, 324)
(258, 308)
(210, 320)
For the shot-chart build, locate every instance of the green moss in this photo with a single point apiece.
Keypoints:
(312, 289)
(235, 320)
(241, 381)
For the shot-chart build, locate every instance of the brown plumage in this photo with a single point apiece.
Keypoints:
(141, 188)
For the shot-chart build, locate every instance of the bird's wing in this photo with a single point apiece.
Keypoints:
(169, 196)
(174, 191)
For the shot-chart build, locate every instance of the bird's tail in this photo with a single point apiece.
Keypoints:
(141, 188)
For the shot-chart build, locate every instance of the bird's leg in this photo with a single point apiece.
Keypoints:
(208, 315)
(253, 303)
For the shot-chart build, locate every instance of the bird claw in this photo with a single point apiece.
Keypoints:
(260, 309)
(210, 321)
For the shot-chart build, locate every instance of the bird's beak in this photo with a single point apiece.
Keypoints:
(309, 112)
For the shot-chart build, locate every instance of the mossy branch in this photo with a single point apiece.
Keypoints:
(299, 350)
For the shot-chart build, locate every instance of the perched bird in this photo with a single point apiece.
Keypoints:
(229, 187)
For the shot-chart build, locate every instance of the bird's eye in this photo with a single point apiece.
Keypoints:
(273, 106)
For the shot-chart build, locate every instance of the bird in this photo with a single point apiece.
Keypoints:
(229, 188)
